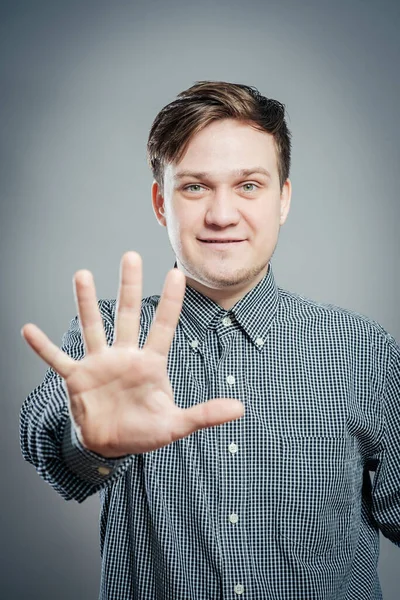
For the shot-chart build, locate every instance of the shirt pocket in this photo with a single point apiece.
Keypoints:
(317, 509)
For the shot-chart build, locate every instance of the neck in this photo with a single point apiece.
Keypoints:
(227, 296)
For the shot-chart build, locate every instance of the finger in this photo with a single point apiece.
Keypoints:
(89, 314)
(49, 352)
(129, 301)
(207, 414)
(167, 315)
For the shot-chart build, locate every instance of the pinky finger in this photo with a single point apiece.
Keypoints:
(49, 352)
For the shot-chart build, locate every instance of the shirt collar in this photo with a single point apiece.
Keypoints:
(254, 313)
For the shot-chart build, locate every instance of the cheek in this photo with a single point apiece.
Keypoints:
(267, 226)
(262, 216)
(181, 226)
(190, 221)
(269, 213)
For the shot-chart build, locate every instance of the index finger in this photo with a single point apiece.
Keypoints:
(89, 315)
(163, 328)
(58, 360)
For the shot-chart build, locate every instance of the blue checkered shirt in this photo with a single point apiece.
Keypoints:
(276, 505)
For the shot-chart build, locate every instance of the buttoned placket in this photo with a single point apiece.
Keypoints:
(232, 447)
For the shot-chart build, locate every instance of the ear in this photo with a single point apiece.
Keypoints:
(158, 204)
(286, 195)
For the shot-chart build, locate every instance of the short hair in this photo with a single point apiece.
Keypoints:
(208, 101)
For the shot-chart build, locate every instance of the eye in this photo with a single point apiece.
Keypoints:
(253, 184)
(193, 185)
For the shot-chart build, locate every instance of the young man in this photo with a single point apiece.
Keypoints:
(228, 426)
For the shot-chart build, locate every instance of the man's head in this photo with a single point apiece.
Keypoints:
(219, 131)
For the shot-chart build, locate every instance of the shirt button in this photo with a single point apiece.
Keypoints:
(260, 342)
(226, 321)
(233, 448)
(104, 470)
(239, 589)
(194, 343)
(230, 379)
(233, 518)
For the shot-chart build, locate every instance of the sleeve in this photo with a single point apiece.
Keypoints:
(48, 439)
(386, 484)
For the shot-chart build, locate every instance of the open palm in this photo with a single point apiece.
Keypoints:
(120, 397)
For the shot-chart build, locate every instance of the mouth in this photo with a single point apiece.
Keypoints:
(222, 244)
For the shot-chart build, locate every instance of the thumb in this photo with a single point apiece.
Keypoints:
(207, 414)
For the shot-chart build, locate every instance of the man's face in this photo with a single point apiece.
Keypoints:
(220, 203)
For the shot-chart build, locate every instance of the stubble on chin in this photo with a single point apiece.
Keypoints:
(222, 276)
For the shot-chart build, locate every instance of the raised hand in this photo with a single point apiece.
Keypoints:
(120, 398)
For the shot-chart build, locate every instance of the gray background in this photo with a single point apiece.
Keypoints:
(81, 83)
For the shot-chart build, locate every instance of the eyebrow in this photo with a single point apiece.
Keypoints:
(236, 173)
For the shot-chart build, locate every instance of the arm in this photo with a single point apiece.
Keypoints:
(386, 485)
(117, 395)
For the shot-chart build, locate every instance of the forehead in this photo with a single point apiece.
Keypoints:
(226, 146)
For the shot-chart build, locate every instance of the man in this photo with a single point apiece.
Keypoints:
(228, 426)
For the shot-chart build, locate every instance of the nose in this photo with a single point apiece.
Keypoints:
(222, 210)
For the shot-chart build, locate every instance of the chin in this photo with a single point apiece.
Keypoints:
(224, 276)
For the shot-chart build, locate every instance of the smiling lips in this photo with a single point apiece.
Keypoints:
(221, 241)
(222, 244)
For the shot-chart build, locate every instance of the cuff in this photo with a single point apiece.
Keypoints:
(88, 465)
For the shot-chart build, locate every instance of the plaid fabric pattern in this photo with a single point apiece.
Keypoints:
(279, 504)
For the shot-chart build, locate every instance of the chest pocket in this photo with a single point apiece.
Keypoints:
(319, 494)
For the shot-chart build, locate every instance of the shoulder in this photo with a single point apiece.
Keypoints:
(295, 307)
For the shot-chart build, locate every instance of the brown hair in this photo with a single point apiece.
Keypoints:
(208, 101)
